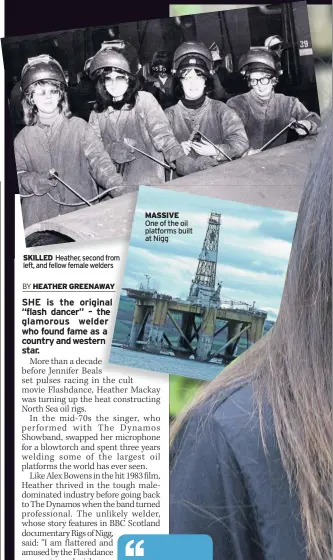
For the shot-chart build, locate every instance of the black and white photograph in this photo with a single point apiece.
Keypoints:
(200, 103)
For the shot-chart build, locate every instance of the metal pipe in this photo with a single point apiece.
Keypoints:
(149, 156)
(179, 330)
(238, 335)
(56, 176)
(168, 341)
(286, 34)
(221, 329)
(235, 344)
(214, 145)
(195, 328)
(292, 122)
(143, 324)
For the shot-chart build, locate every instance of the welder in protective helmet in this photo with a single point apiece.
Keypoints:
(127, 120)
(275, 44)
(193, 67)
(53, 139)
(264, 112)
(161, 84)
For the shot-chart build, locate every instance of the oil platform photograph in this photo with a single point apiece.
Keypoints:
(196, 279)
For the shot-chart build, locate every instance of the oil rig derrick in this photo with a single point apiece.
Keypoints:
(202, 289)
(196, 323)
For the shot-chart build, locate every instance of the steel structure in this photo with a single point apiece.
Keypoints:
(202, 289)
(197, 328)
(196, 325)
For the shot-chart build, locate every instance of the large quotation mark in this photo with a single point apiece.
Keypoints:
(136, 550)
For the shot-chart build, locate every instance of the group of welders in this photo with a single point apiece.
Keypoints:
(125, 138)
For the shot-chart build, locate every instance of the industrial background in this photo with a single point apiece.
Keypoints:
(233, 32)
(320, 19)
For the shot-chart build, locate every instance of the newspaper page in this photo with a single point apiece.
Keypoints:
(91, 445)
(91, 437)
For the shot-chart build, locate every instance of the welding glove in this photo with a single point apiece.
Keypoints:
(204, 148)
(186, 147)
(204, 162)
(251, 152)
(185, 165)
(303, 128)
(123, 189)
(120, 152)
(37, 183)
(115, 181)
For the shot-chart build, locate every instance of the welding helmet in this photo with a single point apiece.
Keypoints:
(42, 67)
(87, 65)
(161, 61)
(259, 59)
(116, 54)
(107, 57)
(193, 54)
(274, 42)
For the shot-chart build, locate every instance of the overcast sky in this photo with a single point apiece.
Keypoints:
(254, 248)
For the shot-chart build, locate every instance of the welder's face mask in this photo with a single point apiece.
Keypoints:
(193, 83)
(116, 83)
(262, 83)
(277, 49)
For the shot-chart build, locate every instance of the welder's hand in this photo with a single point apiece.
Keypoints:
(251, 152)
(204, 162)
(186, 147)
(121, 152)
(204, 148)
(124, 189)
(185, 165)
(37, 183)
(300, 130)
(115, 181)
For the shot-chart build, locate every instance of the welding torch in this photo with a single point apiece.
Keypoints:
(197, 130)
(54, 174)
(293, 124)
(193, 133)
(170, 167)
